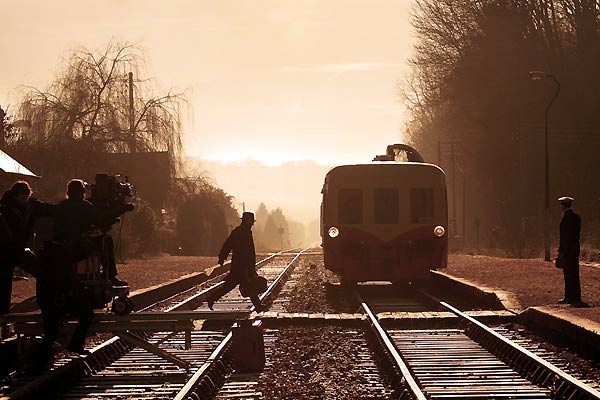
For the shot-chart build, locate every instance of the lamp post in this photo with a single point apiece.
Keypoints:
(536, 76)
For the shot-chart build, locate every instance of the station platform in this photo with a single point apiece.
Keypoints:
(557, 324)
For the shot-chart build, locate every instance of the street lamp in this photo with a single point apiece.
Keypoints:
(536, 76)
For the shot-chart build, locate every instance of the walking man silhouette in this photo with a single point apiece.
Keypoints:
(243, 260)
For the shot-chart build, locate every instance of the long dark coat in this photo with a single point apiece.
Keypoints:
(570, 228)
(243, 258)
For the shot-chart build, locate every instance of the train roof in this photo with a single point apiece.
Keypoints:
(387, 164)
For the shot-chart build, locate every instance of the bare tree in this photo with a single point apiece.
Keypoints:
(469, 84)
(86, 110)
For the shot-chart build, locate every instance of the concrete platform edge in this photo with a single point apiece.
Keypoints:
(496, 299)
(580, 335)
(559, 330)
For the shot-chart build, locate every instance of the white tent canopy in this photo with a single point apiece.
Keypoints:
(11, 166)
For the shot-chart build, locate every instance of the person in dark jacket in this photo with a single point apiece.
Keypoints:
(13, 207)
(55, 292)
(19, 212)
(568, 251)
(57, 295)
(75, 216)
(243, 260)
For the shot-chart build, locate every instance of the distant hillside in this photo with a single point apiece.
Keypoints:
(293, 186)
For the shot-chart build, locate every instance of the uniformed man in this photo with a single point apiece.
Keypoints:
(243, 260)
(568, 252)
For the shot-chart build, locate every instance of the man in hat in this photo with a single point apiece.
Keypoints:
(243, 260)
(568, 249)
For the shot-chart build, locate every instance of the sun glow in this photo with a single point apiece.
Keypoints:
(270, 158)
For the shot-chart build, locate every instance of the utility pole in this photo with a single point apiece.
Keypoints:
(281, 231)
(536, 76)
(133, 146)
(2, 133)
(464, 209)
(448, 150)
(453, 164)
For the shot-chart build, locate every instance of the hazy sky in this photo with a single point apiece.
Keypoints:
(273, 79)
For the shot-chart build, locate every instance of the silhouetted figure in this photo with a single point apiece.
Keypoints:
(18, 212)
(243, 260)
(74, 218)
(568, 251)
(56, 291)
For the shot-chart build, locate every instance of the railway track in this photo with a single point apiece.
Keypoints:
(208, 379)
(118, 369)
(467, 361)
(473, 362)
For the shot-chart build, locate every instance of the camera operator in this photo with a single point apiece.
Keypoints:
(57, 292)
(75, 216)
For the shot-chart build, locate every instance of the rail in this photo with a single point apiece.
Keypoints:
(538, 370)
(53, 383)
(409, 383)
(214, 367)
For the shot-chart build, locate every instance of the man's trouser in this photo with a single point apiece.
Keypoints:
(233, 279)
(571, 275)
(53, 316)
(6, 276)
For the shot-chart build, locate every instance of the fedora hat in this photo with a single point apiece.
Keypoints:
(248, 216)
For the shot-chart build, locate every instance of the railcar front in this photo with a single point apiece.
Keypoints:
(384, 221)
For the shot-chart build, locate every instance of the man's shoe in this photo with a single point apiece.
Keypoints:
(579, 304)
(210, 303)
(117, 282)
(564, 301)
(259, 308)
(79, 350)
(4, 331)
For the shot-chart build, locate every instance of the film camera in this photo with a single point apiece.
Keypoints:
(110, 195)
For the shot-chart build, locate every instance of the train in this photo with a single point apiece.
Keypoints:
(386, 220)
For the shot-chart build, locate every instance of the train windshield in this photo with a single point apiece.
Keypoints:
(350, 206)
(386, 206)
(422, 205)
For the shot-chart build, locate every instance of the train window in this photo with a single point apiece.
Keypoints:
(421, 205)
(386, 204)
(350, 206)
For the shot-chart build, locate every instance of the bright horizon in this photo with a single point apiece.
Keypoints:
(272, 80)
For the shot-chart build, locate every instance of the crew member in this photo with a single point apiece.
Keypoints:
(243, 260)
(18, 213)
(568, 252)
(55, 292)
(75, 216)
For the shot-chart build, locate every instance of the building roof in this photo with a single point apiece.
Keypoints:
(11, 166)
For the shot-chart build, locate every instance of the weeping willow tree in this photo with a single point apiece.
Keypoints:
(86, 112)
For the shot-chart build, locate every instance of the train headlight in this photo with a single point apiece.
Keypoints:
(439, 231)
(333, 232)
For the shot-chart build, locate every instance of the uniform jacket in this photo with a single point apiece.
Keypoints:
(570, 227)
(241, 243)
